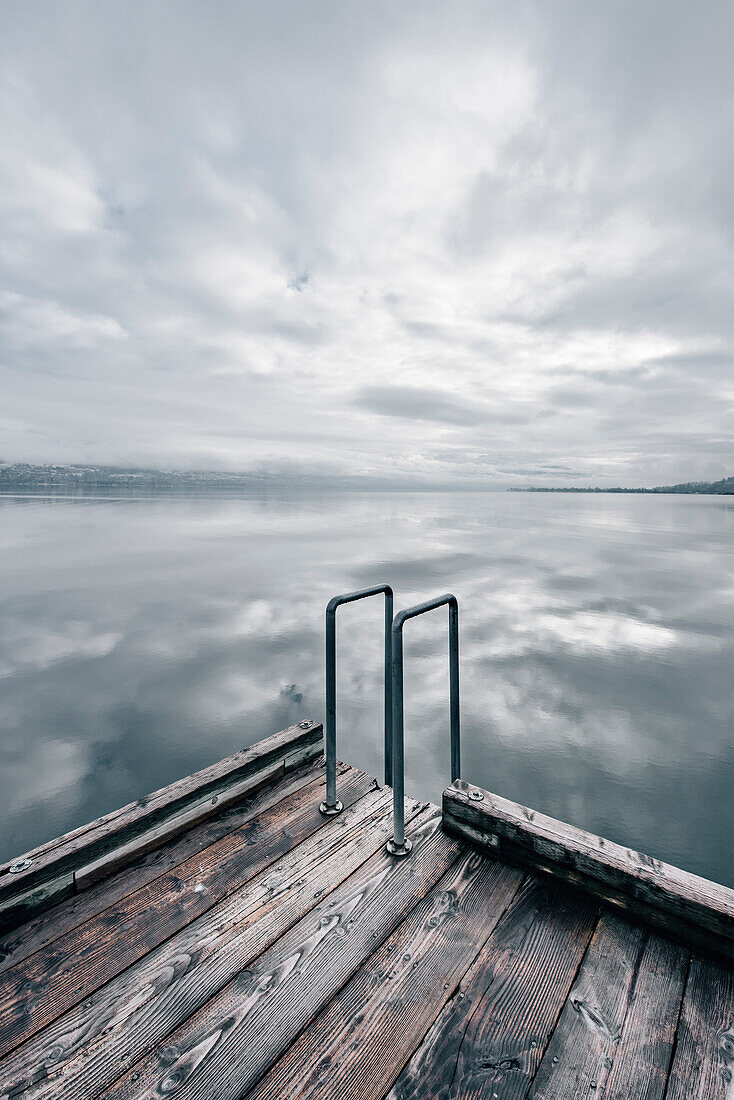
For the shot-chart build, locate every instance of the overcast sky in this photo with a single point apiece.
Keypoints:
(451, 241)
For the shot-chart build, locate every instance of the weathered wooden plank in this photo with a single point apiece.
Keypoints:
(681, 905)
(120, 935)
(703, 1064)
(358, 1044)
(644, 1052)
(489, 1039)
(196, 781)
(197, 813)
(583, 1043)
(609, 1001)
(55, 922)
(95, 1042)
(287, 744)
(172, 827)
(227, 1046)
(82, 845)
(16, 910)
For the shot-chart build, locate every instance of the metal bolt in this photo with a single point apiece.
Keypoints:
(20, 865)
(304, 725)
(476, 796)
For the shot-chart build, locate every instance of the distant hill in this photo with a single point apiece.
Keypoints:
(725, 487)
(23, 477)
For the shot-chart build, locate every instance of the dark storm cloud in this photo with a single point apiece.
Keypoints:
(509, 225)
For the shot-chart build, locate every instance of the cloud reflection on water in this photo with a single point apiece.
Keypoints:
(145, 638)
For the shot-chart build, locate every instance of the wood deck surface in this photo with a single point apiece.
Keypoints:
(270, 953)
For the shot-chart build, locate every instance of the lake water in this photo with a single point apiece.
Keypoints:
(144, 638)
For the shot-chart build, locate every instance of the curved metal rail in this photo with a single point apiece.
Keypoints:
(331, 804)
(399, 845)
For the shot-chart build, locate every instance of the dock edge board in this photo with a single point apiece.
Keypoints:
(71, 862)
(676, 903)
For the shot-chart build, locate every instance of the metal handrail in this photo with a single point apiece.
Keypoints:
(399, 845)
(331, 805)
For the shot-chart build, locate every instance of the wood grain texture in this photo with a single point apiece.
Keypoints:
(42, 987)
(37, 887)
(490, 1037)
(55, 922)
(583, 1043)
(94, 1043)
(643, 1055)
(358, 1044)
(703, 1064)
(225, 1048)
(94, 839)
(688, 908)
(268, 952)
(609, 1020)
(16, 910)
(166, 831)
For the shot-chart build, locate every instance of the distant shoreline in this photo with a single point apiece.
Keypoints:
(24, 478)
(690, 488)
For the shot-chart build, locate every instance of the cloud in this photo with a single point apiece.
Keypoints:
(417, 404)
(218, 228)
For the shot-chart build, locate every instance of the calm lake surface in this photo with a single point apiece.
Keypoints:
(144, 638)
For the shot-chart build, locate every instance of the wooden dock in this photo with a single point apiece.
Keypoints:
(222, 939)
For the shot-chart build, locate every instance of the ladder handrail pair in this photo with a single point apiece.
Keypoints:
(398, 845)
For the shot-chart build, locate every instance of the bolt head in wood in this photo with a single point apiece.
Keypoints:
(19, 865)
(476, 796)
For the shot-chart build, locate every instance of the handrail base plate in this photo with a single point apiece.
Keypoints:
(331, 811)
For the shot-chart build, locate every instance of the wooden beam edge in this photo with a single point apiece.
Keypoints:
(689, 909)
(283, 751)
(172, 827)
